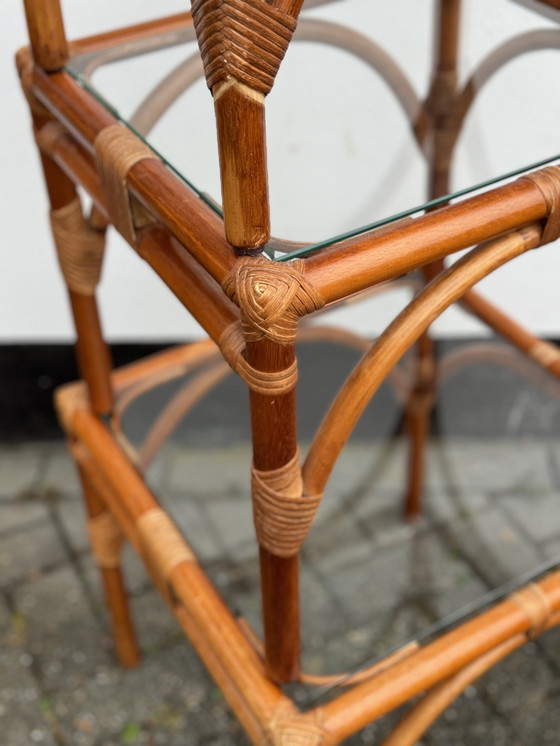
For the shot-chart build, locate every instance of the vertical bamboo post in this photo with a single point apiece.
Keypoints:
(46, 33)
(273, 421)
(418, 414)
(125, 639)
(242, 46)
(95, 365)
(92, 352)
(241, 144)
(442, 93)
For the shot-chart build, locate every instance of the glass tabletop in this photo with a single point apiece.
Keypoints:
(353, 132)
(371, 583)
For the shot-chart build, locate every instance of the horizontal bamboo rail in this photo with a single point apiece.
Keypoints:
(133, 35)
(355, 264)
(433, 663)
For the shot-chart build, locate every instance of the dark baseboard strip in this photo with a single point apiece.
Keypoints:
(484, 399)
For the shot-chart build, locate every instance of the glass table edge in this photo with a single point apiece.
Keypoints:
(79, 62)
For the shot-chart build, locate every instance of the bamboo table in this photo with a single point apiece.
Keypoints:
(250, 292)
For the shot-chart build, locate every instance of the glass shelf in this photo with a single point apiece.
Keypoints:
(349, 135)
(370, 582)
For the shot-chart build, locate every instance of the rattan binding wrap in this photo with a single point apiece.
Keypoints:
(271, 383)
(290, 728)
(79, 247)
(536, 605)
(118, 150)
(242, 39)
(544, 353)
(548, 182)
(161, 546)
(272, 298)
(282, 515)
(106, 540)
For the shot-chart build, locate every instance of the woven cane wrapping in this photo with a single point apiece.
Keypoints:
(242, 39)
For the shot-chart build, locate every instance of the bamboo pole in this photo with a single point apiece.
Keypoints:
(189, 218)
(242, 149)
(274, 444)
(92, 352)
(430, 707)
(543, 353)
(215, 628)
(46, 33)
(125, 639)
(439, 104)
(348, 267)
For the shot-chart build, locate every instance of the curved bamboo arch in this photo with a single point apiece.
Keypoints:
(497, 354)
(214, 370)
(370, 372)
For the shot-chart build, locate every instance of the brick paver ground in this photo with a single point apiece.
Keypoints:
(368, 582)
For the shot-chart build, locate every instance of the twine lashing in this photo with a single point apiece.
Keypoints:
(118, 150)
(270, 383)
(106, 539)
(282, 515)
(535, 604)
(548, 182)
(79, 248)
(242, 39)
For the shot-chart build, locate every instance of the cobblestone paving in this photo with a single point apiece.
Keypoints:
(491, 513)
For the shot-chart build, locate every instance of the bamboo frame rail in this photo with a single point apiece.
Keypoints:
(338, 271)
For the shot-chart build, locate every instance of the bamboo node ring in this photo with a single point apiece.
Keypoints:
(271, 297)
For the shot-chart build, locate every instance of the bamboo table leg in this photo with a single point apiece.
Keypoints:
(439, 103)
(115, 592)
(275, 444)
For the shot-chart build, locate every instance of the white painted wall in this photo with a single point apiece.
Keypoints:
(135, 305)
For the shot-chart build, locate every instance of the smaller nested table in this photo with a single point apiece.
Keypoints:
(408, 136)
